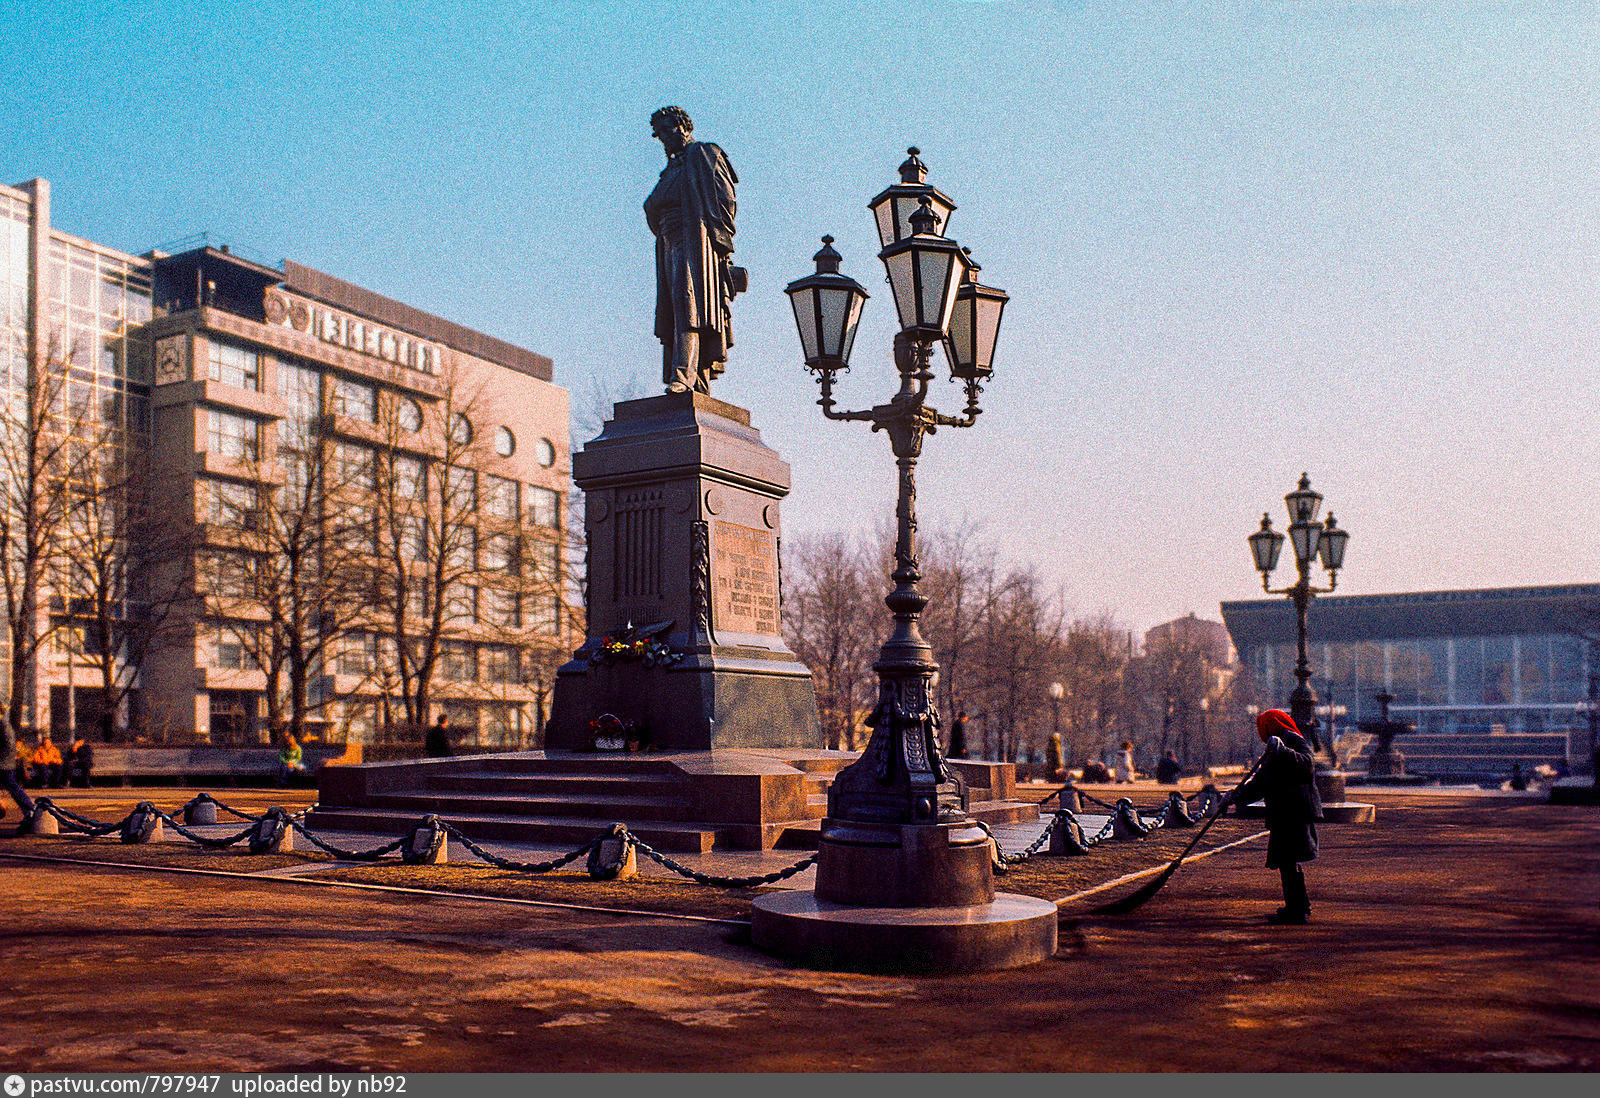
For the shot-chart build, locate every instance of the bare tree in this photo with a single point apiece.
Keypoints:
(429, 576)
(831, 621)
(41, 432)
(290, 570)
(1093, 666)
(1018, 643)
(125, 570)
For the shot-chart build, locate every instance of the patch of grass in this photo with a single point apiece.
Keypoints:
(1051, 878)
(667, 895)
(178, 855)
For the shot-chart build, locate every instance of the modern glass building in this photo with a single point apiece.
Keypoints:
(1499, 674)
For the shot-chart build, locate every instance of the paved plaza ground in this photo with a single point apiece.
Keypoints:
(1461, 932)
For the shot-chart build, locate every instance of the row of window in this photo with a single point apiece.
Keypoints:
(230, 648)
(240, 367)
(238, 437)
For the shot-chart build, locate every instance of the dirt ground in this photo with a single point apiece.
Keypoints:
(1452, 935)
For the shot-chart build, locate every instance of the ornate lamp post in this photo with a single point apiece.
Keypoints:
(1312, 541)
(897, 838)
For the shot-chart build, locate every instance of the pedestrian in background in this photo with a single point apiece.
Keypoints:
(1125, 769)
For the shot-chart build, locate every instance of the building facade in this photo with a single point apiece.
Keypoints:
(1471, 667)
(272, 401)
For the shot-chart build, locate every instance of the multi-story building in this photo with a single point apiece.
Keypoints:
(222, 368)
(1487, 676)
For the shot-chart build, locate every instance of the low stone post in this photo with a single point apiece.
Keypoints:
(427, 844)
(202, 811)
(613, 858)
(272, 833)
(42, 821)
(143, 825)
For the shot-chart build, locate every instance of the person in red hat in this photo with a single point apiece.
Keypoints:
(1285, 780)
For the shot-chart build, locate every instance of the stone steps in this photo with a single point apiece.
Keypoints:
(543, 785)
(490, 827)
(576, 805)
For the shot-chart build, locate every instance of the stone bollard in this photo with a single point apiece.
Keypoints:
(1125, 822)
(143, 825)
(613, 858)
(1177, 812)
(272, 833)
(1066, 835)
(427, 844)
(201, 811)
(1071, 799)
(41, 822)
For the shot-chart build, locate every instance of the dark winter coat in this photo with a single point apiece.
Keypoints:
(1287, 783)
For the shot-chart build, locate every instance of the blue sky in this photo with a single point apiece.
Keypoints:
(1241, 239)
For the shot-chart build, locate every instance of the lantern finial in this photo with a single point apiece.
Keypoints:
(913, 170)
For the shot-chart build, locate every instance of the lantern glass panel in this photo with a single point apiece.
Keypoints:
(902, 280)
(1332, 549)
(885, 212)
(852, 321)
(1305, 536)
(988, 336)
(963, 353)
(805, 319)
(1265, 546)
(938, 275)
(834, 304)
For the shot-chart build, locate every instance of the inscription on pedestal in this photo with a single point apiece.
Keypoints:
(744, 579)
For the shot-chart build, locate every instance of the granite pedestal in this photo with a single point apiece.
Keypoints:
(684, 639)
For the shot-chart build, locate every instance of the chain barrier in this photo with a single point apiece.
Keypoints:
(267, 831)
(712, 879)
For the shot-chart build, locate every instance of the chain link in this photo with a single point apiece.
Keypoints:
(712, 879)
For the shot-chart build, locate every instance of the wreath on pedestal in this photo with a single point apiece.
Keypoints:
(609, 732)
(632, 644)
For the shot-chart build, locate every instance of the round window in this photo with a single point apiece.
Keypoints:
(410, 416)
(505, 443)
(547, 453)
(460, 429)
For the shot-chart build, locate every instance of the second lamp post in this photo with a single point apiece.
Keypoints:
(1312, 541)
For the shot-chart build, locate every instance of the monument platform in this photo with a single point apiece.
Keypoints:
(685, 645)
(695, 802)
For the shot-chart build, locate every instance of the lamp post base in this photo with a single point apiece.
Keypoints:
(1009, 932)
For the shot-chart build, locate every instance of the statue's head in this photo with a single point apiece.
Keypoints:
(672, 126)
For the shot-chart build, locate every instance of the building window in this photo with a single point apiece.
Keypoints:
(500, 664)
(354, 467)
(501, 497)
(460, 430)
(500, 553)
(458, 661)
(544, 506)
(360, 654)
(410, 477)
(461, 602)
(234, 365)
(505, 443)
(547, 453)
(410, 415)
(502, 607)
(233, 436)
(462, 553)
(353, 400)
(231, 504)
(414, 538)
(460, 489)
(230, 650)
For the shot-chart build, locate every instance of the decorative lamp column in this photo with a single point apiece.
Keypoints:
(1311, 540)
(904, 877)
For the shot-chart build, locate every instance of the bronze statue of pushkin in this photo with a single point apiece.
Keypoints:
(691, 212)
